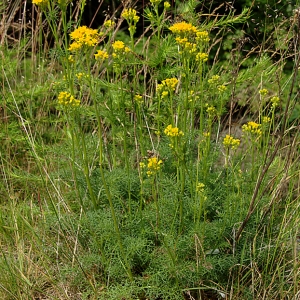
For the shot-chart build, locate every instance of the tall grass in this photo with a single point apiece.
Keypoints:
(145, 166)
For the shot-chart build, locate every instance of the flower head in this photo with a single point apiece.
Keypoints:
(167, 5)
(66, 99)
(118, 46)
(202, 36)
(211, 111)
(275, 101)
(101, 55)
(83, 36)
(153, 166)
(266, 120)
(263, 92)
(200, 187)
(230, 142)
(222, 88)
(71, 59)
(138, 98)
(173, 131)
(214, 79)
(252, 128)
(81, 75)
(202, 57)
(130, 15)
(119, 49)
(166, 86)
(183, 29)
(40, 2)
(109, 24)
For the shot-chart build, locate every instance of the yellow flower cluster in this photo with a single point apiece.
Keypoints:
(173, 131)
(130, 15)
(83, 36)
(167, 5)
(119, 49)
(101, 55)
(169, 84)
(71, 59)
(154, 165)
(40, 2)
(266, 120)
(211, 111)
(253, 128)
(202, 57)
(66, 99)
(81, 75)
(214, 79)
(263, 92)
(230, 142)
(186, 45)
(138, 98)
(183, 28)
(200, 187)
(202, 36)
(222, 88)
(192, 96)
(109, 24)
(275, 101)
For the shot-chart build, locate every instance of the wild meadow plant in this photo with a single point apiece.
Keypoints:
(151, 194)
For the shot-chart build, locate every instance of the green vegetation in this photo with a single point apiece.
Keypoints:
(148, 166)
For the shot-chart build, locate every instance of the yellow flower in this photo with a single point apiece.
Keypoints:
(164, 94)
(109, 23)
(119, 49)
(169, 84)
(221, 88)
(266, 120)
(181, 41)
(83, 36)
(79, 75)
(252, 128)
(40, 2)
(118, 46)
(214, 79)
(230, 142)
(71, 59)
(263, 92)
(173, 131)
(153, 165)
(275, 101)
(183, 28)
(200, 187)
(202, 36)
(101, 55)
(130, 15)
(167, 5)
(202, 57)
(211, 111)
(138, 99)
(66, 99)
(74, 47)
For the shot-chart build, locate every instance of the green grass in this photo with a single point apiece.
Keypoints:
(175, 174)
